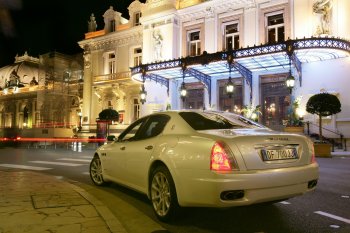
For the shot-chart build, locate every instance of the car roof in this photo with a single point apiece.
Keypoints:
(175, 114)
(177, 124)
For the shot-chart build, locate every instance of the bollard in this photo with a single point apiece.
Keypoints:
(341, 141)
(74, 146)
(345, 144)
(79, 147)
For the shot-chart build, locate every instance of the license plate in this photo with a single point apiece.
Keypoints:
(279, 154)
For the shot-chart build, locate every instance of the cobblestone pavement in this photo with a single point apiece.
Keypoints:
(34, 203)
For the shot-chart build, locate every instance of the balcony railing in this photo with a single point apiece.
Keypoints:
(113, 77)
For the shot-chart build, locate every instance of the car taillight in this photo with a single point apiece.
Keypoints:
(313, 158)
(221, 160)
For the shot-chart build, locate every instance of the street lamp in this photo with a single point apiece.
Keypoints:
(143, 92)
(290, 82)
(229, 85)
(183, 90)
(80, 114)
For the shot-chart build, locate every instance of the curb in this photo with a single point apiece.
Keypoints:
(112, 222)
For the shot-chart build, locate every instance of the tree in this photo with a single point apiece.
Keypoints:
(109, 115)
(323, 104)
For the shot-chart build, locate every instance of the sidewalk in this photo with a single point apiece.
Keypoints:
(33, 203)
(341, 153)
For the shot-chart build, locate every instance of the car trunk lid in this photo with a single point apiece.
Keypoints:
(259, 149)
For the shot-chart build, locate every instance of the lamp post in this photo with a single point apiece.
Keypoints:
(143, 92)
(183, 90)
(80, 114)
(229, 85)
(290, 82)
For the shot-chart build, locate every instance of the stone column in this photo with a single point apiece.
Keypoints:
(15, 119)
(32, 112)
(87, 98)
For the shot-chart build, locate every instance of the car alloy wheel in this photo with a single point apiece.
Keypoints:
(163, 194)
(96, 171)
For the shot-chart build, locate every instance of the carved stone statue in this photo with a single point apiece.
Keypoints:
(92, 25)
(14, 79)
(322, 9)
(158, 44)
(86, 56)
(33, 82)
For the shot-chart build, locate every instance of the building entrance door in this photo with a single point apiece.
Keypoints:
(195, 96)
(275, 101)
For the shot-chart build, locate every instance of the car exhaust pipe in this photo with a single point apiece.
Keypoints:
(312, 184)
(231, 195)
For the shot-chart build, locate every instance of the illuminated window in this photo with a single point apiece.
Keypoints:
(234, 103)
(194, 43)
(137, 56)
(112, 26)
(137, 17)
(136, 113)
(275, 28)
(194, 99)
(275, 100)
(231, 34)
(111, 63)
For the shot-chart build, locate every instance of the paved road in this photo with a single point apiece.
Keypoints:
(325, 210)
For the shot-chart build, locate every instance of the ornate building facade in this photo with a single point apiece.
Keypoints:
(202, 45)
(41, 97)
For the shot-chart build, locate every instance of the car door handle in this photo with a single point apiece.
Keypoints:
(122, 148)
(149, 147)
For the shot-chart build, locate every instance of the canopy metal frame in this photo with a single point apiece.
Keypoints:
(266, 57)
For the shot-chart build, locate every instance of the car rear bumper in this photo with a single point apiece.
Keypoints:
(206, 188)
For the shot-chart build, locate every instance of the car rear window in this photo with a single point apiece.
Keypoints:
(207, 121)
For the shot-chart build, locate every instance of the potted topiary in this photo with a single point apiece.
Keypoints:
(323, 104)
(105, 119)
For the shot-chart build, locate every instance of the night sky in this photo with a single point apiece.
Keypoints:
(42, 26)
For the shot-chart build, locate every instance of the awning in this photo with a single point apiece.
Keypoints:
(267, 57)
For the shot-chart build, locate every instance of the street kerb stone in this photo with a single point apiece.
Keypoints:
(113, 223)
(58, 200)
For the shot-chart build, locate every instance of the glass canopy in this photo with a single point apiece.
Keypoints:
(262, 58)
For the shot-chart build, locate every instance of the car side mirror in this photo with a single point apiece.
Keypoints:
(110, 138)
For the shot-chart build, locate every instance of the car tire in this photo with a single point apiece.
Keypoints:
(163, 194)
(96, 171)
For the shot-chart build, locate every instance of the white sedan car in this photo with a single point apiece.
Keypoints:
(207, 159)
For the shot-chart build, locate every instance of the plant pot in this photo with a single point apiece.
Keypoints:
(294, 129)
(323, 150)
